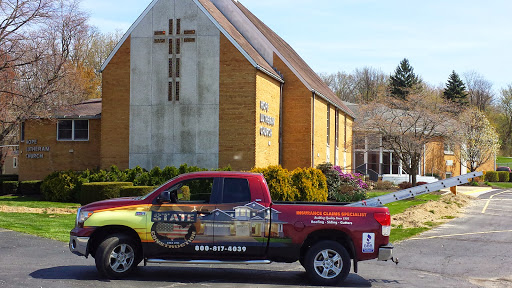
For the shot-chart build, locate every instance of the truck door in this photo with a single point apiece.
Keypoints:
(239, 224)
(177, 226)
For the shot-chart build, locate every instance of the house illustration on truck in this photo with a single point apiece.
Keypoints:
(250, 220)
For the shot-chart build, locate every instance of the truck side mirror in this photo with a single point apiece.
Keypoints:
(164, 197)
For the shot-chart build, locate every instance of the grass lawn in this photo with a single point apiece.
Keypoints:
(51, 226)
(504, 161)
(33, 202)
(501, 184)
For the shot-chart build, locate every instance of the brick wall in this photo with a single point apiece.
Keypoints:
(63, 155)
(237, 108)
(267, 148)
(320, 122)
(116, 110)
(297, 112)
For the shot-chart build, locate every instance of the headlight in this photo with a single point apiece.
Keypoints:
(81, 216)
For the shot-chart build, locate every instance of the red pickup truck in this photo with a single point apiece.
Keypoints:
(229, 217)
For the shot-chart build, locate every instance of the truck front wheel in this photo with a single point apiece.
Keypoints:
(116, 256)
(327, 263)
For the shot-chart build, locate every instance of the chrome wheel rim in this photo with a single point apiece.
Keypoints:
(328, 264)
(121, 258)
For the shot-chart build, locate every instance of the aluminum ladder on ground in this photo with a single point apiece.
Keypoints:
(415, 191)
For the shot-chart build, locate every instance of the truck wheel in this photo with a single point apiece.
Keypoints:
(327, 263)
(116, 256)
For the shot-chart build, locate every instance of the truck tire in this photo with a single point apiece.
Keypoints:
(327, 263)
(117, 256)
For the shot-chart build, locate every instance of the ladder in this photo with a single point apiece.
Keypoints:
(415, 191)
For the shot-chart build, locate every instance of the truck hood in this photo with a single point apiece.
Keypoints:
(112, 203)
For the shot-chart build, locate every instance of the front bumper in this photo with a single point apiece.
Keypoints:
(386, 252)
(79, 245)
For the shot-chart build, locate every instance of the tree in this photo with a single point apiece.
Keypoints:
(406, 126)
(403, 81)
(342, 84)
(455, 90)
(479, 90)
(36, 76)
(477, 139)
(506, 106)
(369, 84)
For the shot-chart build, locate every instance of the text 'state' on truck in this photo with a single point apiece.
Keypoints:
(229, 217)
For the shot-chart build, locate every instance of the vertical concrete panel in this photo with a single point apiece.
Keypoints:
(205, 26)
(187, 11)
(141, 160)
(140, 71)
(159, 73)
(188, 76)
(145, 26)
(140, 128)
(158, 130)
(162, 12)
(208, 69)
(207, 134)
(185, 127)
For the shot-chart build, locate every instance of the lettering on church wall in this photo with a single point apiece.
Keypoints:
(266, 119)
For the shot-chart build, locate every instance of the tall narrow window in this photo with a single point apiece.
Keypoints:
(178, 26)
(170, 47)
(328, 124)
(345, 134)
(178, 46)
(169, 92)
(22, 136)
(171, 26)
(177, 91)
(178, 65)
(337, 129)
(170, 67)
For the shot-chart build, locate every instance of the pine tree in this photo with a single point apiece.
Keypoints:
(456, 90)
(403, 81)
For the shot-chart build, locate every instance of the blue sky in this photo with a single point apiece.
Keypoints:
(341, 35)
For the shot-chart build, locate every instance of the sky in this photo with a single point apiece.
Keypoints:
(342, 35)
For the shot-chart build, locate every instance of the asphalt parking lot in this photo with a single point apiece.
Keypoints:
(471, 251)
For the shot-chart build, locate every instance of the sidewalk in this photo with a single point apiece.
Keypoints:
(474, 191)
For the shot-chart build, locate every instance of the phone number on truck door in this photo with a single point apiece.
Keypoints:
(206, 248)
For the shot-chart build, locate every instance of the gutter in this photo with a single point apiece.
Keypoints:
(313, 133)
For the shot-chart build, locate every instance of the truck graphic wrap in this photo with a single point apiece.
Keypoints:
(173, 229)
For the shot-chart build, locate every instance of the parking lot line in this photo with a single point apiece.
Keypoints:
(461, 234)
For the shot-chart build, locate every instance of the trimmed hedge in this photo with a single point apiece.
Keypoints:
(62, 186)
(92, 192)
(491, 176)
(10, 187)
(30, 187)
(134, 191)
(503, 176)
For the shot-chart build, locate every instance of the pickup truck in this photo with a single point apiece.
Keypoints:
(229, 217)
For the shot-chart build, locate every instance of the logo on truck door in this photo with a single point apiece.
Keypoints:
(173, 229)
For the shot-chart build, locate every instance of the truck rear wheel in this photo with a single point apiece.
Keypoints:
(327, 263)
(116, 256)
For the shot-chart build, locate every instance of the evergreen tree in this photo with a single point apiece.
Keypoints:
(456, 90)
(403, 81)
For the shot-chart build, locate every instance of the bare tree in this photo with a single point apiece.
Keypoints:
(479, 90)
(505, 104)
(406, 126)
(342, 84)
(369, 84)
(36, 75)
(476, 138)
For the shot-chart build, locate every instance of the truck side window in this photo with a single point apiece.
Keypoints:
(236, 190)
(195, 190)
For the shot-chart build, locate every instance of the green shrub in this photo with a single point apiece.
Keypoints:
(30, 187)
(62, 186)
(156, 176)
(185, 190)
(503, 176)
(279, 183)
(510, 177)
(92, 192)
(310, 183)
(134, 173)
(10, 187)
(333, 179)
(133, 191)
(491, 176)
(383, 185)
(170, 172)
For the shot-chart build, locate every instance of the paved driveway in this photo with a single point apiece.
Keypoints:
(471, 251)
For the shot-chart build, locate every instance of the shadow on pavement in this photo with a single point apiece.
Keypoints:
(190, 274)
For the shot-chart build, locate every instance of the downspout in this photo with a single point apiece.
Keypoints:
(313, 133)
(281, 124)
